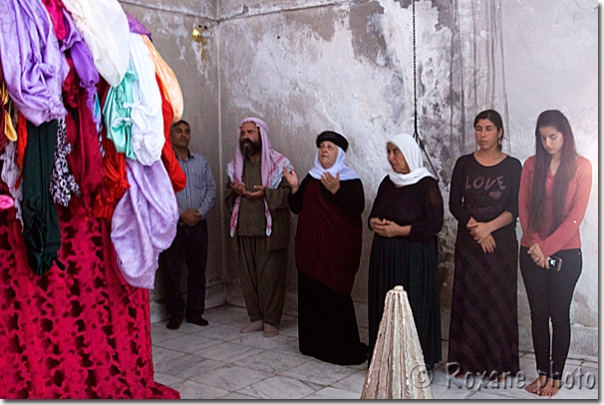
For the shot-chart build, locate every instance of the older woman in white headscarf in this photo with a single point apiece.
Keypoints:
(329, 239)
(406, 216)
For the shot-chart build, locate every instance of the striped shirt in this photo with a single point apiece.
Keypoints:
(200, 191)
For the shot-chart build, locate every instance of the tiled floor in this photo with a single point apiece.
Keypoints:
(216, 361)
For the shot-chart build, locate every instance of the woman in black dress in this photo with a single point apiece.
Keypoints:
(484, 199)
(329, 239)
(406, 216)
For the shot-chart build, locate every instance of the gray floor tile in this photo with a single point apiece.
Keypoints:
(237, 396)
(319, 372)
(576, 393)
(186, 364)
(230, 377)
(280, 387)
(442, 392)
(159, 333)
(168, 380)
(353, 383)
(273, 362)
(333, 393)
(258, 340)
(589, 364)
(223, 333)
(193, 390)
(229, 352)
(161, 355)
(198, 366)
(188, 343)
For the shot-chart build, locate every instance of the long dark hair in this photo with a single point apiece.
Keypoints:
(495, 118)
(566, 171)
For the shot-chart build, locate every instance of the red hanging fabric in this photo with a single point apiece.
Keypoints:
(115, 181)
(79, 333)
(21, 139)
(85, 160)
(177, 176)
(114, 184)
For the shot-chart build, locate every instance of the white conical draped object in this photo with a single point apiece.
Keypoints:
(397, 369)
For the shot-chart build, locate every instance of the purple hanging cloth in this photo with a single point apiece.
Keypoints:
(34, 67)
(137, 27)
(144, 222)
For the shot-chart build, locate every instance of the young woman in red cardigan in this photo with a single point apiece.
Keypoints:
(554, 191)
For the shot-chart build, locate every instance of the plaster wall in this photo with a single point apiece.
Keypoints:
(305, 66)
(551, 62)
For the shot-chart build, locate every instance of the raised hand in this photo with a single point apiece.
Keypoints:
(331, 183)
(292, 178)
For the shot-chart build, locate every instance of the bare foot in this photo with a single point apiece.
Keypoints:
(252, 327)
(536, 386)
(551, 388)
(270, 331)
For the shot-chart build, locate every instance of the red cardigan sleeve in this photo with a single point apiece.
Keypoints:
(570, 225)
(524, 199)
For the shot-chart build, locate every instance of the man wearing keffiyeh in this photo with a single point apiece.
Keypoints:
(260, 222)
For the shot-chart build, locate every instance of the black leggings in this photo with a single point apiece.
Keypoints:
(549, 295)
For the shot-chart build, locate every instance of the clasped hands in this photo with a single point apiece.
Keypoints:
(239, 189)
(189, 218)
(538, 257)
(384, 227)
(482, 235)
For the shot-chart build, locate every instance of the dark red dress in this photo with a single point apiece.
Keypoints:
(328, 248)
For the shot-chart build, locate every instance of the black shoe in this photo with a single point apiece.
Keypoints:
(198, 321)
(173, 324)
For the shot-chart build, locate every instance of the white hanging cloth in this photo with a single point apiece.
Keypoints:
(147, 118)
(105, 29)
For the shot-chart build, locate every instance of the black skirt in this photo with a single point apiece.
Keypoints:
(414, 265)
(327, 324)
(483, 333)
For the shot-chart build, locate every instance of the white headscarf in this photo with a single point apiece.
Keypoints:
(413, 155)
(346, 173)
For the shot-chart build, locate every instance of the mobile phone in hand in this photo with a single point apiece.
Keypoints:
(555, 263)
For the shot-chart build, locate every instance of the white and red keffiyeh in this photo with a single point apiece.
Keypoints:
(272, 166)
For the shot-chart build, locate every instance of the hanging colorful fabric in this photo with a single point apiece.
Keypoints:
(6, 202)
(40, 220)
(144, 222)
(104, 26)
(34, 67)
(147, 125)
(168, 81)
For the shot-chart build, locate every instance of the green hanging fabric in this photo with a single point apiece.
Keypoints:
(40, 219)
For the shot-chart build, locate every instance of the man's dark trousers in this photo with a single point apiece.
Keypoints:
(192, 244)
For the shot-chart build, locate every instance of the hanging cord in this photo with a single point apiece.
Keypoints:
(415, 132)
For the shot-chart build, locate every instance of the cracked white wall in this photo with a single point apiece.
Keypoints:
(304, 66)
